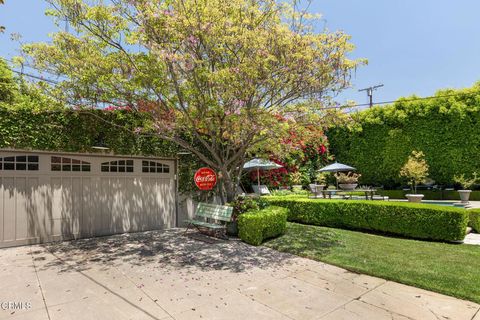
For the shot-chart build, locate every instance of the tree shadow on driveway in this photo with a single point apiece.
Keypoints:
(167, 249)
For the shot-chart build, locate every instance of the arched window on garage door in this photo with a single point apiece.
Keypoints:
(65, 164)
(152, 166)
(19, 163)
(117, 166)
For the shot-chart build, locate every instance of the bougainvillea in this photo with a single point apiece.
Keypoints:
(304, 150)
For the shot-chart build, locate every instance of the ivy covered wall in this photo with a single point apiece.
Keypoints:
(76, 131)
(446, 129)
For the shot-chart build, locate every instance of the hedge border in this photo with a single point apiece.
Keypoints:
(474, 219)
(421, 221)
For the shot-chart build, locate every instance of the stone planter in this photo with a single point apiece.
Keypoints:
(348, 186)
(320, 187)
(464, 195)
(297, 187)
(414, 197)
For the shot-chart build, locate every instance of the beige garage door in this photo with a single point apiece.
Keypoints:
(54, 196)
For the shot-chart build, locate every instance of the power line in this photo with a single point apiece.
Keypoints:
(34, 77)
(370, 104)
(370, 92)
(415, 99)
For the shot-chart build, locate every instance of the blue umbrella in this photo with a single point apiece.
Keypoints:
(260, 164)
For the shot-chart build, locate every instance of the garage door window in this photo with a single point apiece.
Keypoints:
(69, 164)
(118, 166)
(152, 166)
(19, 163)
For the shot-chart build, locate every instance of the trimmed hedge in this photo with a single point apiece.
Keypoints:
(474, 220)
(256, 226)
(406, 219)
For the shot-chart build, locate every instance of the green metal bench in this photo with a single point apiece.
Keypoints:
(210, 217)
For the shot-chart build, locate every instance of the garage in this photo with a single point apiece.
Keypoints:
(46, 196)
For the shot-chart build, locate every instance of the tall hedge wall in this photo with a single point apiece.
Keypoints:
(75, 131)
(446, 129)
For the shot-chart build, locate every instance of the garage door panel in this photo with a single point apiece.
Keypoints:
(40, 202)
(77, 199)
(164, 202)
(2, 192)
(9, 196)
(119, 214)
(87, 219)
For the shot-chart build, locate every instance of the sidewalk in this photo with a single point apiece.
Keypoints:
(163, 275)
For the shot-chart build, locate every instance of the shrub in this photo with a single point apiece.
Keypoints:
(256, 226)
(406, 219)
(474, 220)
(242, 205)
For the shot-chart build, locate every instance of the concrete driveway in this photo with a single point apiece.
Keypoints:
(163, 275)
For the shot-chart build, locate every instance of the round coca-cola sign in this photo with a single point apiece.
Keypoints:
(205, 178)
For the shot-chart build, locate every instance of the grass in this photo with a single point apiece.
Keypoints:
(450, 269)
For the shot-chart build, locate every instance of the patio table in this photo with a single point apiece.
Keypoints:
(369, 193)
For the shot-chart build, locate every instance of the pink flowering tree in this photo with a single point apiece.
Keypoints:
(213, 72)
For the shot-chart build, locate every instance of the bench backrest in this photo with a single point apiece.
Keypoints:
(214, 211)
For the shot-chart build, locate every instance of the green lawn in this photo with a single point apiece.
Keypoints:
(446, 268)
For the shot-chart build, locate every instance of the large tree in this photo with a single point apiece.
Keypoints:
(217, 72)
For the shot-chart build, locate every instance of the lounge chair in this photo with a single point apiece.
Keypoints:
(261, 190)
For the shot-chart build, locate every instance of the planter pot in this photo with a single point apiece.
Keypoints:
(414, 197)
(232, 228)
(464, 195)
(320, 187)
(348, 186)
(297, 187)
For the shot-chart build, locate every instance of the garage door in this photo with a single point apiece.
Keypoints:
(54, 196)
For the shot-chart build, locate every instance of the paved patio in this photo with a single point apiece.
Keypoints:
(162, 275)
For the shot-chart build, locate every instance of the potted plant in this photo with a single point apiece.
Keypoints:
(321, 180)
(415, 170)
(466, 185)
(347, 181)
(296, 179)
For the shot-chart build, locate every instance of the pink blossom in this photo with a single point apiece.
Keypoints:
(238, 103)
(193, 40)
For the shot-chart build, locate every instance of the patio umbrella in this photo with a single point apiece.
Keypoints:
(337, 167)
(260, 164)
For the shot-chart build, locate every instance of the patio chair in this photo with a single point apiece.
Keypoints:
(380, 197)
(261, 190)
(240, 191)
(313, 189)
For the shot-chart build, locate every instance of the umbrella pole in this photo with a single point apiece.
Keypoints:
(258, 178)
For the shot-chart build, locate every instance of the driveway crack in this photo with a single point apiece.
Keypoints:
(39, 283)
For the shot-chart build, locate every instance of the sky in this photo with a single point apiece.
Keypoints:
(413, 46)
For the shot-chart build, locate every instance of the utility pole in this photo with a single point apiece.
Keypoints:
(370, 92)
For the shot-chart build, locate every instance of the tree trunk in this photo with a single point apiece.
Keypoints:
(228, 186)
